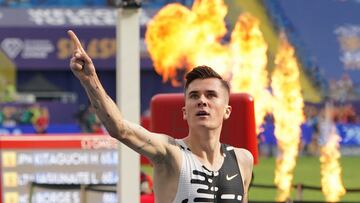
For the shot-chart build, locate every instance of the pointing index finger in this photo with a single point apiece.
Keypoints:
(75, 40)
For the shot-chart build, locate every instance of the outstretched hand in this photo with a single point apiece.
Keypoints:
(80, 63)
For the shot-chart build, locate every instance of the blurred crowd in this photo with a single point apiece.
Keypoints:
(13, 114)
(343, 90)
(88, 120)
(36, 115)
(344, 114)
(314, 134)
(323, 123)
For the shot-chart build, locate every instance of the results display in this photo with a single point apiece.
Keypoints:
(60, 161)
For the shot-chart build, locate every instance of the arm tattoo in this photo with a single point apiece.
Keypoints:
(148, 142)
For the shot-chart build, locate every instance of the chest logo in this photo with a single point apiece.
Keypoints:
(228, 178)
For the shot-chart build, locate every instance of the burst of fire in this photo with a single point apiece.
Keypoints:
(179, 39)
(288, 112)
(331, 183)
(249, 64)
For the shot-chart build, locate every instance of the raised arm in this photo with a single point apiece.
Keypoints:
(152, 145)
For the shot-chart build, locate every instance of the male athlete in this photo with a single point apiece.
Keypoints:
(197, 168)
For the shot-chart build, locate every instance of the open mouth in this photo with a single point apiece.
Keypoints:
(202, 113)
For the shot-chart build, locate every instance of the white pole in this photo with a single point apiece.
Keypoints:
(128, 99)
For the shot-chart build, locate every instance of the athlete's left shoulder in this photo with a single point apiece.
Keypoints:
(246, 162)
(244, 156)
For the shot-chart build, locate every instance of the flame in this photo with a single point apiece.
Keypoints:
(179, 39)
(331, 182)
(250, 59)
(288, 112)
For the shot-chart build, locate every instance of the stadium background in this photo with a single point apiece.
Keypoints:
(35, 53)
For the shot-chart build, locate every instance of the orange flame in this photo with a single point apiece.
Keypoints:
(179, 39)
(250, 60)
(288, 112)
(332, 186)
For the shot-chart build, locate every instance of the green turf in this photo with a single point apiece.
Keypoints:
(147, 169)
(307, 172)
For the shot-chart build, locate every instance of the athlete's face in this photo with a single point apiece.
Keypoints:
(206, 103)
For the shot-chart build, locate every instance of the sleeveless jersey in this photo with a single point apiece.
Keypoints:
(199, 184)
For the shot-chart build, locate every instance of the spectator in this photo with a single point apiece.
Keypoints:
(9, 119)
(1, 117)
(333, 90)
(92, 121)
(147, 194)
(80, 117)
(145, 184)
(26, 116)
(35, 111)
(346, 114)
(312, 116)
(42, 122)
(345, 86)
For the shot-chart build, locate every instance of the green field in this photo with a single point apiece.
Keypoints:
(307, 172)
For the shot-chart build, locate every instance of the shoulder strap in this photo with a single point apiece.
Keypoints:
(182, 144)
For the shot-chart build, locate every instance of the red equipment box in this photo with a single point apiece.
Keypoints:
(239, 130)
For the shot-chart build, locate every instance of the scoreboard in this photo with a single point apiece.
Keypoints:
(57, 160)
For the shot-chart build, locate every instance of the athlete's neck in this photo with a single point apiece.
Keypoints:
(205, 144)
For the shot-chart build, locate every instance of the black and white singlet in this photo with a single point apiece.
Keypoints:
(199, 184)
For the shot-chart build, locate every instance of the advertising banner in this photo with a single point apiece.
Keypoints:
(50, 47)
(36, 39)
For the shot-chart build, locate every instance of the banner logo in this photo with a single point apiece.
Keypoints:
(349, 40)
(12, 46)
